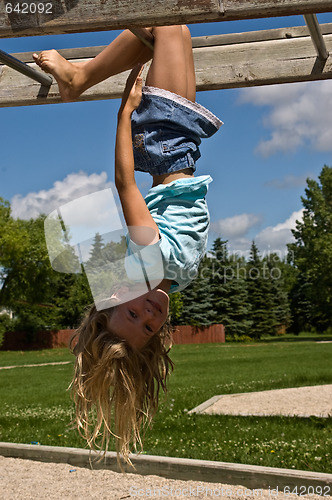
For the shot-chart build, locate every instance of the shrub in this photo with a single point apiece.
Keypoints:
(243, 338)
(6, 324)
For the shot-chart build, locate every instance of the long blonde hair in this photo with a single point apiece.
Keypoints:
(115, 387)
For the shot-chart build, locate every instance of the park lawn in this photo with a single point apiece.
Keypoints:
(303, 336)
(36, 407)
(14, 358)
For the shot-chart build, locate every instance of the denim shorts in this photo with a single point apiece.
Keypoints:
(167, 130)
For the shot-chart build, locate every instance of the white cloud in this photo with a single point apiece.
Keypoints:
(270, 239)
(300, 115)
(240, 246)
(289, 181)
(236, 226)
(275, 238)
(72, 187)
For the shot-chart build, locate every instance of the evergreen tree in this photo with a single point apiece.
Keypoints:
(96, 253)
(197, 299)
(229, 290)
(238, 320)
(262, 315)
(219, 279)
(301, 307)
(278, 289)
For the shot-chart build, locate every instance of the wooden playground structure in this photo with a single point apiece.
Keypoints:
(222, 61)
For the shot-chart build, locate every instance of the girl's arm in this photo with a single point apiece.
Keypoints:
(135, 211)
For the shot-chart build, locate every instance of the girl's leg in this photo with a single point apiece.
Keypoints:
(172, 66)
(172, 69)
(125, 52)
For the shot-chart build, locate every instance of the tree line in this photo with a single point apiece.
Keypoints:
(264, 294)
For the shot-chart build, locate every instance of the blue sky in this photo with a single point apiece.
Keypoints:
(272, 139)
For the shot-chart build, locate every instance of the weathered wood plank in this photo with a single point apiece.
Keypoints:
(249, 9)
(217, 67)
(258, 36)
(201, 41)
(265, 63)
(88, 15)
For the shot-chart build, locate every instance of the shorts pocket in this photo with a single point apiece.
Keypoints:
(177, 145)
(139, 143)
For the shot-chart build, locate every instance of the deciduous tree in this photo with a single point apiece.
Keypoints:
(312, 255)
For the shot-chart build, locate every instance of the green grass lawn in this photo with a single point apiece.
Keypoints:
(303, 336)
(11, 358)
(35, 406)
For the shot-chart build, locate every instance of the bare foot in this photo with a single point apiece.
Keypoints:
(65, 73)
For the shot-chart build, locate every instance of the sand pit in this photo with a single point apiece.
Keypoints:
(29, 480)
(22, 479)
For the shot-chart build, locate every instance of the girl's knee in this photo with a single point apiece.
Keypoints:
(167, 31)
(186, 31)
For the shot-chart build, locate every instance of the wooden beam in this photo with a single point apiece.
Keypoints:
(70, 16)
(222, 62)
(202, 41)
(316, 36)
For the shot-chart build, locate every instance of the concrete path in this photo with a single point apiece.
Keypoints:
(32, 366)
(301, 401)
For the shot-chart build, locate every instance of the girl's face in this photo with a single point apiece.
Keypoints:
(138, 320)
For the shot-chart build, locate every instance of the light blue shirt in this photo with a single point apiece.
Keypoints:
(181, 213)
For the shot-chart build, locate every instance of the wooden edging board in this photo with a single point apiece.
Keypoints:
(250, 476)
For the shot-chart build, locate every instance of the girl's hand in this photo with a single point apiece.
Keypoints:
(132, 94)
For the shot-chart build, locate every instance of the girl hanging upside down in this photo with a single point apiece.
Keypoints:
(122, 359)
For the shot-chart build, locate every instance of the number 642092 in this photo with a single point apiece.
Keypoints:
(29, 8)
